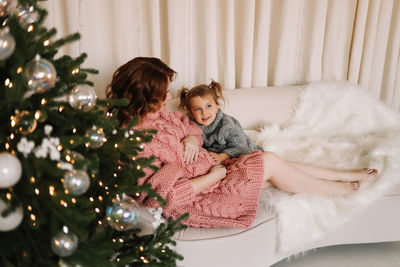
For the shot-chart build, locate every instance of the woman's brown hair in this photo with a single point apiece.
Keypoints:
(214, 89)
(143, 81)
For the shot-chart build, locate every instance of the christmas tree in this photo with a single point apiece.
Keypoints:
(68, 174)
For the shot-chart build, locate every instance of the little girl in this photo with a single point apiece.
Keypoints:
(223, 135)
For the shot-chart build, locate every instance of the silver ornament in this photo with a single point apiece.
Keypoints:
(12, 220)
(25, 122)
(10, 170)
(27, 15)
(96, 137)
(123, 214)
(40, 74)
(7, 7)
(76, 182)
(82, 97)
(64, 244)
(7, 43)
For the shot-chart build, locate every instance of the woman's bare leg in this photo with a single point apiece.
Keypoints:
(335, 175)
(290, 179)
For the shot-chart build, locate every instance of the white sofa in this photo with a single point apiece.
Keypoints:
(256, 246)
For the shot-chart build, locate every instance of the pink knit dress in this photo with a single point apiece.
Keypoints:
(231, 202)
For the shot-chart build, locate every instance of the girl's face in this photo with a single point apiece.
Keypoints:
(203, 109)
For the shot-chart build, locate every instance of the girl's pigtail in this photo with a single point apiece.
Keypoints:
(183, 105)
(217, 89)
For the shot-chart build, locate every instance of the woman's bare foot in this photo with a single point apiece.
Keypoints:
(360, 175)
(340, 188)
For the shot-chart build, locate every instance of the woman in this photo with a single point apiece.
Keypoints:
(188, 178)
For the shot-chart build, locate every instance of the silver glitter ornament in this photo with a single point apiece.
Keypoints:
(40, 74)
(96, 137)
(64, 244)
(123, 214)
(76, 182)
(25, 122)
(7, 43)
(82, 97)
(27, 15)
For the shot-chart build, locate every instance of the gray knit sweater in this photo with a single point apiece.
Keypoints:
(225, 134)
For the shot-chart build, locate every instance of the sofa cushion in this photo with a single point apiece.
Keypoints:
(192, 233)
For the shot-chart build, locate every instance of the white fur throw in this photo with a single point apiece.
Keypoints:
(336, 125)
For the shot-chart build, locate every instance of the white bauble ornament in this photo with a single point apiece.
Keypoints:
(40, 74)
(7, 43)
(12, 220)
(10, 170)
(96, 137)
(27, 15)
(82, 97)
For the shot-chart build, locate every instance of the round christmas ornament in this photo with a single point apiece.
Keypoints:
(40, 74)
(27, 15)
(25, 122)
(64, 244)
(7, 7)
(74, 158)
(82, 97)
(76, 182)
(123, 214)
(10, 170)
(12, 220)
(7, 43)
(96, 137)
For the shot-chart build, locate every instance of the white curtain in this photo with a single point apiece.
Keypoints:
(241, 43)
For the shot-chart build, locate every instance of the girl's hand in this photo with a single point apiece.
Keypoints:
(190, 148)
(219, 157)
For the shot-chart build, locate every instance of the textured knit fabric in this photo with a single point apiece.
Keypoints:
(231, 202)
(225, 134)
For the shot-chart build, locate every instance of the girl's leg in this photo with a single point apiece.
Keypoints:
(288, 178)
(335, 175)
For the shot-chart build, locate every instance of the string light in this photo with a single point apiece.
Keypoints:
(121, 240)
(71, 141)
(32, 180)
(52, 190)
(63, 203)
(138, 139)
(46, 43)
(100, 198)
(60, 108)
(12, 136)
(29, 208)
(91, 199)
(97, 210)
(141, 248)
(13, 121)
(59, 147)
(43, 101)
(116, 145)
(74, 130)
(100, 222)
(119, 167)
(7, 145)
(138, 167)
(115, 175)
(8, 196)
(114, 240)
(19, 70)
(7, 82)
(33, 217)
(73, 200)
(37, 192)
(30, 28)
(37, 114)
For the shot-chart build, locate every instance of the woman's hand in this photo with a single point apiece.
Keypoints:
(219, 157)
(190, 148)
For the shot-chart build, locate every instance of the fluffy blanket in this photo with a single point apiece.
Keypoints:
(335, 125)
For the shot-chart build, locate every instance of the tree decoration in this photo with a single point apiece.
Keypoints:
(10, 170)
(11, 220)
(82, 97)
(64, 243)
(40, 74)
(27, 15)
(25, 122)
(96, 137)
(76, 182)
(7, 43)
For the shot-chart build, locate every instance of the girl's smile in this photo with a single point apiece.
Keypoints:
(203, 109)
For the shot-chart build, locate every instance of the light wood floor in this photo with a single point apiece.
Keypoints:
(365, 255)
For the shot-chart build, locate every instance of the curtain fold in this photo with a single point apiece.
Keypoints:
(241, 43)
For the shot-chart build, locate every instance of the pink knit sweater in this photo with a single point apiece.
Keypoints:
(231, 202)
